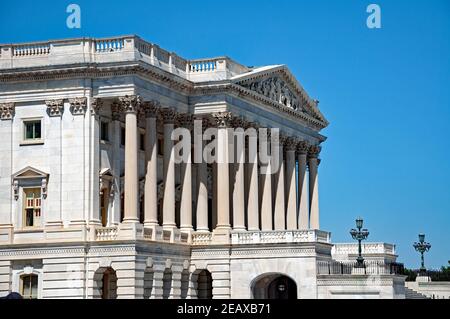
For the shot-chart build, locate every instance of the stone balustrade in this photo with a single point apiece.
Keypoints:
(200, 239)
(367, 248)
(270, 237)
(106, 233)
(117, 49)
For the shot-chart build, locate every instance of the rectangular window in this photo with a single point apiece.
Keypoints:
(104, 131)
(142, 142)
(122, 136)
(29, 286)
(32, 207)
(32, 130)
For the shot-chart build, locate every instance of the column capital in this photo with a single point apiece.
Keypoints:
(116, 111)
(7, 110)
(185, 120)
(96, 105)
(302, 147)
(130, 103)
(206, 123)
(291, 144)
(151, 108)
(238, 122)
(168, 115)
(222, 119)
(55, 107)
(78, 105)
(314, 151)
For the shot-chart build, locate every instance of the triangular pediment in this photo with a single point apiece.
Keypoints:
(29, 172)
(276, 84)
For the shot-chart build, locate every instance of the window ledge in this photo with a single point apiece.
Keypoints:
(32, 142)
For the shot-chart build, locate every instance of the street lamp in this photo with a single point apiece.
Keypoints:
(422, 247)
(359, 235)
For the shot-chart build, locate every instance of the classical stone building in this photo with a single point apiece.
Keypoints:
(93, 202)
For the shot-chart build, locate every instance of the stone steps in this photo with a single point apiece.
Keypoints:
(412, 294)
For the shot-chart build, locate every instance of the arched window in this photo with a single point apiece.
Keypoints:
(167, 283)
(29, 286)
(204, 285)
(184, 284)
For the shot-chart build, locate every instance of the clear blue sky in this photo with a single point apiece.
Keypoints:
(385, 92)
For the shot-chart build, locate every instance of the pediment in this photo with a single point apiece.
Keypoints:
(277, 85)
(28, 173)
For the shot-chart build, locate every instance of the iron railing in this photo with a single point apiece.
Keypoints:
(368, 267)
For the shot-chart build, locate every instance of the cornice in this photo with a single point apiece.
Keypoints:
(161, 76)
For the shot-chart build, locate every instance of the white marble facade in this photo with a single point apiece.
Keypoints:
(115, 216)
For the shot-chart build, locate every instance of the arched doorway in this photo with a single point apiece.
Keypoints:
(204, 285)
(105, 280)
(274, 286)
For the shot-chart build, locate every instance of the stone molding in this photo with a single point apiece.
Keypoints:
(78, 105)
(96, 105)
(130, 103)
(222, 119)
(7, 111)
(55, 107)
(151, 108)
(314, 151)
(302, 147)
(168, 115)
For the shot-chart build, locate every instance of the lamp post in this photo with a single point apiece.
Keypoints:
(422, 247)
(359, 235)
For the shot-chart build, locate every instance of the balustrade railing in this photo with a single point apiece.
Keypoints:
(368, 267)
(109, 45)
(283, 236)
(201, 238)
(106, 233)
(31, 50)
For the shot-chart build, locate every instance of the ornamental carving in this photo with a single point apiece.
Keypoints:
(222, 119)
(96, 105)
(291, 144)
(7, 111)
(151, 108)
(277, 90)
(168, 115)
(115, 111)
(314, 151)
(185, 121)
(78, 105)
(303, 147)
(55, 107)
(130, 103)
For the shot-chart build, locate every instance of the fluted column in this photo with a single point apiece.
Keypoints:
(291, 191)
(223, 179)
(130, 104)
(151, 157)
(313, 163)
(186, 179)
(253, 191)
(280, 207)
(239, 186)
(202, 178)
(266, 191)
(303, 205)
(169, 170)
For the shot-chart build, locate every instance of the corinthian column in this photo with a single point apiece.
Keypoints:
(186, 191)
(280, 207)
(291, 192)
(313, 163)
(303, 207)
(239, 186)
(202, 178)
(223, 179)
(169, 170)
(266, 196)
(151, 157)
(253, 191)
(130, 104)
